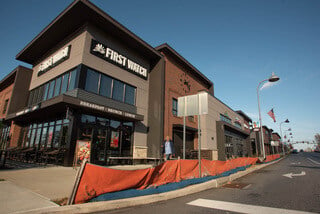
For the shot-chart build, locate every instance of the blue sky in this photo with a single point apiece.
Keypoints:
(236, 44)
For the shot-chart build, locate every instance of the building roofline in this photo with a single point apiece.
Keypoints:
(225, 105)
(166, 46)
(66, 14)
(276, 133)
(10, 75)
(244, 115)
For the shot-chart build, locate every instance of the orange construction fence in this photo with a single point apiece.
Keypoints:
(97, 180)
(271, 158)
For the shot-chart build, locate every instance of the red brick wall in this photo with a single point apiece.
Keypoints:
(4, 95)
(247, 124)
(275, 137)
(15, 131)
(173, 89)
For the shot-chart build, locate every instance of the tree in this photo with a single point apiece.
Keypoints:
(317, 138)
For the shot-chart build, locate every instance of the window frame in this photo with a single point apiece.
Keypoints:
(5, 106)
(174, 111)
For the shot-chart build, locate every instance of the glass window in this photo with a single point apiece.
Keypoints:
(35, 96)
(105, 86)
(225, 119)
(45, 92)
(5, 106)
(28, 137)
(40, 94)
(51, 89)
(59, 122)
(72, 81)
(66, 121)
(115, 124)
(64, 135)
(56, 138)
(50, 135)
(57, 87)
(43, 137)
(130, 95)
(102, 121)
(65, 81)
(238, 125)
(33, 135)
(38, 135)
(174, 107)
(30, 98)
(127, 130)
(117, 92)
(88, 119)
(92, 81)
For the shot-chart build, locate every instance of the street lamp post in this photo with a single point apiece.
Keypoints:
(286, 121)
(273, 78)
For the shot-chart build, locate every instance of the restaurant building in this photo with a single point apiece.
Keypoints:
(251, 146)
(276, 142)
(13, 96)
(181, 78)
(93, 84)
(267, 137)
(223, 131)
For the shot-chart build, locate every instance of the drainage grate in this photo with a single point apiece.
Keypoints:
(236, 185)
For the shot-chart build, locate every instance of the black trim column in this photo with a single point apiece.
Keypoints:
(72, 137)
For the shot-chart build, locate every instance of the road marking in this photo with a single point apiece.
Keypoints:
(290, 175)
(316, 162)
(296, 163)
(241, 208)
(246, 187)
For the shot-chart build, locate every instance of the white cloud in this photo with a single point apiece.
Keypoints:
(253, 116)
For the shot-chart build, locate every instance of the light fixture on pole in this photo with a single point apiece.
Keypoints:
(273, 78)
(286, 121)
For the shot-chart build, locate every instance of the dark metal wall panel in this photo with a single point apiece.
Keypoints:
(156, 109)
(20, 91)
(100, 100)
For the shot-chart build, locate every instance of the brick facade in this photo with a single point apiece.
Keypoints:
(180, 81)
(5, 94)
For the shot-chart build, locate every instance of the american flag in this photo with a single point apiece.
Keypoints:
(271, 114)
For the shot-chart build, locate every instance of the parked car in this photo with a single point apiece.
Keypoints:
(295, 151)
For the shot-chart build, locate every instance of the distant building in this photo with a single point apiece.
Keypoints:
(13, 97)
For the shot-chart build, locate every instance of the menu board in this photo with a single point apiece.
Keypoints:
(114, 140)
(82, 152)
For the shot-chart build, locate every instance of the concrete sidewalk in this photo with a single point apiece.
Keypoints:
(15, 199)
(51, 182)
(54, 182)
(129, 202)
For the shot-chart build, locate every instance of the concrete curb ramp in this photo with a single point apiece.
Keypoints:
(15, 199)
(142, 200)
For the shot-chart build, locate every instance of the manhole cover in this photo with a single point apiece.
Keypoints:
(235, 185)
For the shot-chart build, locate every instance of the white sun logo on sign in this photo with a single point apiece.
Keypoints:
(99, 48)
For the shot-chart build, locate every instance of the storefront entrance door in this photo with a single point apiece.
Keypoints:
(109, 138)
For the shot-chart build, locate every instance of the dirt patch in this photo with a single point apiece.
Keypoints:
(235, 185)
(61, 201)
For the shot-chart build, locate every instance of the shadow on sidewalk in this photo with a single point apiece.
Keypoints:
(16, 165)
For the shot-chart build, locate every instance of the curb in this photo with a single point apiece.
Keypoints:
(148, 199)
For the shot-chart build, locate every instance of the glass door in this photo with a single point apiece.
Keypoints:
(114, 138)
(98, 154)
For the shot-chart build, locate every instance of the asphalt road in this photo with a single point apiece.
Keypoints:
(266, 188)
